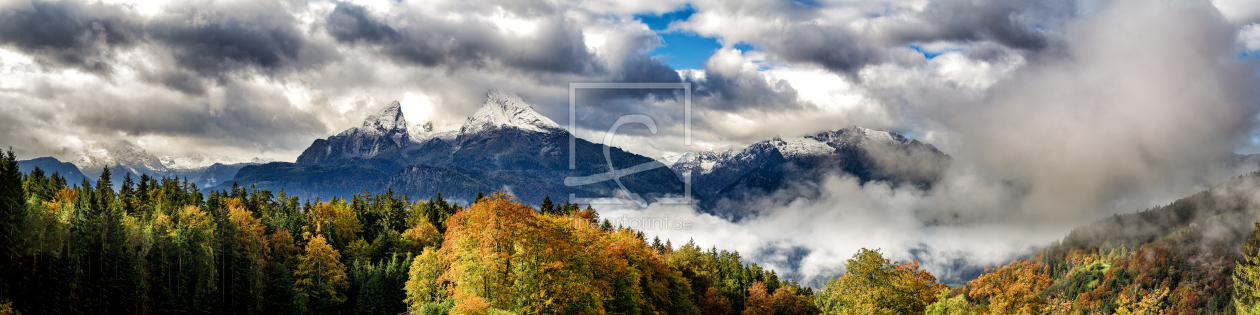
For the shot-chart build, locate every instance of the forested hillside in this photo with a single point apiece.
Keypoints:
(160, 246)
(1176, 259)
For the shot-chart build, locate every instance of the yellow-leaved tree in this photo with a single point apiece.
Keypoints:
(335, 221)
(502, 256)
(424, 291)
(250, 257)
(946, 305)
(872, 284)
(421, 235)
(321, 278)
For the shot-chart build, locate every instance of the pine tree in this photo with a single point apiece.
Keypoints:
(12, 203)
(126, 193)
(547, 207)
(104, 191)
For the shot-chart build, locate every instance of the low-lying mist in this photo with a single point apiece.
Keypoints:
(1142, 104)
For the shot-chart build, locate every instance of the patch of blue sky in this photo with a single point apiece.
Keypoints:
(929, 53)
(913, 134)
(661, 22)
(806, 3)
(679, 49)
(685, 50)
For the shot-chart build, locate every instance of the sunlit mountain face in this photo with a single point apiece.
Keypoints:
(712, 157)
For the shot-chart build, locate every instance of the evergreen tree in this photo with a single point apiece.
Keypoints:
(547, 207)
(127, 193)
(104, 190)
(12, 205)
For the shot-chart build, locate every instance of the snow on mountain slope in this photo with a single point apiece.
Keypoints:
(124, 157)
(507, 110)
(389, 123)
(195, 161)
(121, 157)
(861, 152)
(382, 134)
(801, 146)
(423, 132)
(854, 135)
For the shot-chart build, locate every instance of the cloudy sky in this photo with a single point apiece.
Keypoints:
(265, 78)
(1087, 107)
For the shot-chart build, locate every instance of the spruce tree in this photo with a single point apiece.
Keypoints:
(104, 190)
(127, 193)
(546, 207)
(12, 203)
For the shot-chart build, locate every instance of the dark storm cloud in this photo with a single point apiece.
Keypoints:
(350, 23)
(1020, 24)
(69, 33)
(831, 47)
(247, 117)
(744, 91)
(644, 68)
(205, 41)
(216, 42)
(555, 46)
(183, 80)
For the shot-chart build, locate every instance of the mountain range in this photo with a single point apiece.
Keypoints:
(504, 145)
(725, 181)
(507, 145)
(124, 157)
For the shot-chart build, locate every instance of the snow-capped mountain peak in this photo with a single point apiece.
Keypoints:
(121, 156)
(854, 135)
(97, 155)
(388, 119)
(384, 133)
(507, 110)
(389, 123)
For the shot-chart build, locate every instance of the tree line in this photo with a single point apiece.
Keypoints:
(162, 246)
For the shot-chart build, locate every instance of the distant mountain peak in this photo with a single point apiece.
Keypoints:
(507, 110)
(388, 119)
(383, 133)
(388, 122)
(856, 135)
(98, 155)
(121, 156)
(194, 161)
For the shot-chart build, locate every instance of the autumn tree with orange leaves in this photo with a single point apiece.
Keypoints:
(1011, 289)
